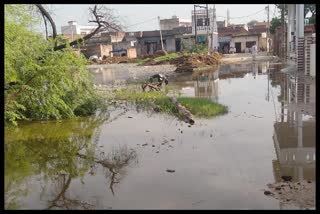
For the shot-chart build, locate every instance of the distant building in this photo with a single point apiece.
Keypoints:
(238, 37)
(74, 29)
(204, 25)
(221, 24)
(174, 22)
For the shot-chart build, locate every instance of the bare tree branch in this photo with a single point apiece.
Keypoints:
(105, 20)
(45, 13)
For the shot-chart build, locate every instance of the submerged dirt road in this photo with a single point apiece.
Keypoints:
(226, 162)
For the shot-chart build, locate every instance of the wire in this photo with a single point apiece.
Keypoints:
(141, 22)
(242, 16)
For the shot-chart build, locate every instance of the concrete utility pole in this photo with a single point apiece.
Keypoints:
(195, 24)
(228, 18)
(212, 27)
(208, 29)
(268, 46)
(283, 42)
(160, 33)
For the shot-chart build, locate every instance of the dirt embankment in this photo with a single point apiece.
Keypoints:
(186, 63)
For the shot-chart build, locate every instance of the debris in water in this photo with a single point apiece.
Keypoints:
(130, 117)
(189, 125)
(286, 178)
(267, 192)
(172, 139)
(144, 144)
(210, 135)
(256, 116)
(147, 131)
(170, 170)
(153, 145)
(157, 152)
(164, 142)
(181, 132)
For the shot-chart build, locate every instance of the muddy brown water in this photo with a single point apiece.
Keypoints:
(154, 161)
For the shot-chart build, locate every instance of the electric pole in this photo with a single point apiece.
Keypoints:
(160, 33)
(208, 22)
(195, 25)
(212, 26)
(268, 45)
(283, 39)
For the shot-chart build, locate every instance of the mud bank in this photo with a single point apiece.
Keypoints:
(247, 57)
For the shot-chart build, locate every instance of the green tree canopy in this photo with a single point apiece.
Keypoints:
(41, 83)
(275, 22)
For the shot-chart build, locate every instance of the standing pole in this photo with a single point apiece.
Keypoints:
(195, 24)
(160, 33)
(268, 33)
(283, 39)
(208, 29)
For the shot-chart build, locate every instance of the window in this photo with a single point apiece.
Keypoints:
(207, 22)
(199, 22)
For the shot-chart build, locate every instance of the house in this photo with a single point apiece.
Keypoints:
(221, 24)
(150, 42)
(74, 29)
(239, 37)
(100, 50)
(204, 26)
(174, 22)
(183, 38)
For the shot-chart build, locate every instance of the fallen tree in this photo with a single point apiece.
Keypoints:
(188, 117)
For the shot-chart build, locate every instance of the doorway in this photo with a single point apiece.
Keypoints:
(178, 44)
(238, 47)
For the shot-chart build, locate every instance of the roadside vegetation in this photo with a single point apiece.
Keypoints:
(167, 57)
(41, 83)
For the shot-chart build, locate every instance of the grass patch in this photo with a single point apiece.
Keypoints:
(202, 107)
(157, 97)
(166, 57)
(139, 61)
(199, 107)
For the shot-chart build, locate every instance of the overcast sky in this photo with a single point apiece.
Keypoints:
(140, 17)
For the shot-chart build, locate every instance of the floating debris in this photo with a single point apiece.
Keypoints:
(171, 170)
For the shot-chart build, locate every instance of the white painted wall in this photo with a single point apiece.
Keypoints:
(243, 40)
(313, 60)
(74, 28)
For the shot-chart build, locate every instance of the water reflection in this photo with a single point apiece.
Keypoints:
(49, 152)
(294, 132)
(205, 83)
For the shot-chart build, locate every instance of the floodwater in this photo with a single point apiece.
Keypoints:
(220, 163)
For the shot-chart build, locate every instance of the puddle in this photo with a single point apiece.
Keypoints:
(219, 163)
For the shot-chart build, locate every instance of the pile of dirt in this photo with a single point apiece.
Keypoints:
(160, 53)
(189, 62)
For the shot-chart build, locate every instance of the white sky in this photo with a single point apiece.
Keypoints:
(140, 17)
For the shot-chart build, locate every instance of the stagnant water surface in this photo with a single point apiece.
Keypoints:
(219, 163)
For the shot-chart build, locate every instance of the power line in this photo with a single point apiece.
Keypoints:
(243, 16)
(141, 22)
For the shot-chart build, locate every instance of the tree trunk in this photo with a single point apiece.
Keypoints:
(183, 111)
(47, 15)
